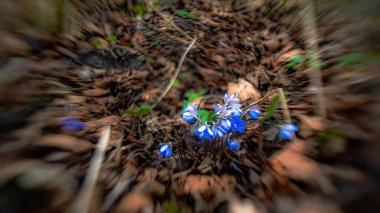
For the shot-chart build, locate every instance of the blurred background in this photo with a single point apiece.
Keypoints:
(94, 60)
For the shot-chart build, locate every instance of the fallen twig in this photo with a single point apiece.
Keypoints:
(82, 203)
(169, 20)
(177, 71)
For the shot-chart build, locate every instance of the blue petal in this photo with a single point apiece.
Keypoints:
(254, 114)
(68, 120)
(291, 127)
(240, 129)
(234, 145)
(286, 134)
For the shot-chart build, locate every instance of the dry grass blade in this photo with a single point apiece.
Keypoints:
(82, 203)
(177, 71)
(311, 38)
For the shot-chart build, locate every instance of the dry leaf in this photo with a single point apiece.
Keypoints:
(291, 54)
(244, 89)
(315, 123)
(292, 164)
(64, 142)
(11, 170)
(273, 44)
(219, 59)
(243, 206)
(101, 122)
(91, 27)
(151, 94)
(149, 175)
(95, 92)
(138, 37)
(74, 99)
(209, 186)
(134, 202)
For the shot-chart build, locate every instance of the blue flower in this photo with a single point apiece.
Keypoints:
(72, 124)
(238, 125)
(217, 108)
(166, 150)
(287, 131)
(204, 132)
(254, 112)
(218, 131)
(192, 108)
(188, 117)
(230, 99)
(286, 134)
(234, 144)
(190, 112)
(226, 124)
(291, 127)
(235, 110)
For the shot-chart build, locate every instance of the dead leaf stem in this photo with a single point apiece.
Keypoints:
(177, 71)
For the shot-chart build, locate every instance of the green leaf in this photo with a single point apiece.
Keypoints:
(327, 135)
(185, 103)
(96, 43)
(272, 107)
(111, 38)
(141, 110)
(156, 4)
(140, 9)
(181, 12)
(317, 63)
(176, 83)
(185, 14)
(313, 61)
(292, 66)
(296, 59)
(353, 58)
(192, 96)
(147, 31)
(203, 115)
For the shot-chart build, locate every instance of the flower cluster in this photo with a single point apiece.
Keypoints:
(226, 121)
(72, 124)
(166, 150)
(287, 131)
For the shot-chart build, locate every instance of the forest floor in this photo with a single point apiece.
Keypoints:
(112, 78)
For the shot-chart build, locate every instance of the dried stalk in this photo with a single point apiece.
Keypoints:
(169, 20)
(310, 37)
(82, 203)
(177, 71)
(284, 106)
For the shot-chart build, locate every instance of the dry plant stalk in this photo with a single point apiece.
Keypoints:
(169, 20)
(82, 203)
(284, 105)
(177, 71)
(310, 36)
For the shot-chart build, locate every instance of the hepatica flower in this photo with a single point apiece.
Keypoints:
(190, 112)
(218, 131)
(287, 131)
(238, 125)
(204, 132)
(166, 150)
(234, 110)
(254, 112)
(230, 99)
(225, 124)
(72, 124)
(234, 144)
